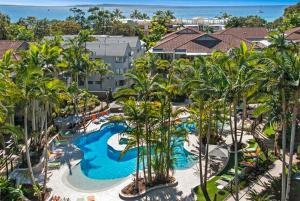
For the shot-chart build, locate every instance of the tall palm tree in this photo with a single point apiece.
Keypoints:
(50, 96)
(117, 14)
(295, 82)
(27, 78)
(136, 14)
(134, 115)
(279, 75)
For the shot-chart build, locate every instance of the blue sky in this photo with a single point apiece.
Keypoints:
(150, 2)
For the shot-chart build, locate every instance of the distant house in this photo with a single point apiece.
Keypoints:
(189, 42)
(293, 35)
(116, 51)
(15, 46)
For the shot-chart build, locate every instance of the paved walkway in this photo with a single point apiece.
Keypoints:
(257, 185)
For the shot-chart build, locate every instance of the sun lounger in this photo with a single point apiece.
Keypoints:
(55, 155)
(222, 182)
(228, 178)
(248, 164)
(60, 142)
(253, 149)
(66, 134)
(232, 172)
(252, 154)
(53, 165)
(91, 198)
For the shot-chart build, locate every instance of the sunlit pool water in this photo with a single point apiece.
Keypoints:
(102, 162)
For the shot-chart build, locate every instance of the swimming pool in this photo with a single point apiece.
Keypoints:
(101, 162)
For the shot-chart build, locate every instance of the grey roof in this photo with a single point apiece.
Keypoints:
(132, 40)
(107, 49)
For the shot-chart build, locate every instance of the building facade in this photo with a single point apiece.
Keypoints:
(119, 53)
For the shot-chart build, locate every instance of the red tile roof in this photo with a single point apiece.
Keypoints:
(195, 42)
(293, 34)
(9, 44)
(249, 33)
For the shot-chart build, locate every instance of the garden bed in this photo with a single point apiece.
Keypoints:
(129, 191)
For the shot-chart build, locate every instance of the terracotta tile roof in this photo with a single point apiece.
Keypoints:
(199, 43)
(249, 33)
(9, 44)
(293, 34)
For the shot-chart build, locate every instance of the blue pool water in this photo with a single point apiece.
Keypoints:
(101, 162)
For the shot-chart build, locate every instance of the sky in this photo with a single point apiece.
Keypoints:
(149, 2)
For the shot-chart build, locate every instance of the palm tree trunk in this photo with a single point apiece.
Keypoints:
(137, 164)
(26, 144)
(46, 152)
(86, 81)
(236, 180)
(283, 184)
(243, 117)
(292, 143)
(205, 193)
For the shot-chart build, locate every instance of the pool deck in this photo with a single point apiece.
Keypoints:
(187, 179)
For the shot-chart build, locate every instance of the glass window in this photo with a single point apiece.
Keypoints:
(119, 59)
(90, 82)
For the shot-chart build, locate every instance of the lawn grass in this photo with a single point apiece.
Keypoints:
(212, 190)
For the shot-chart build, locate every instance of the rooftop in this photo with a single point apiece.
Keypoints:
(6, 45)
(249, 33)
(293, 34)
(192, 42)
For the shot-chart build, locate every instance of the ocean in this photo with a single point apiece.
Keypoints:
(268, 12)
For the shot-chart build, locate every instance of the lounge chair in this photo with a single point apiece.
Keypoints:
(232, 171)
(53, 165)
(91, 198)
(252, 154)
(248, 164)
(66, 134)
(228, 178)
(60, 142)
(54, 155)
(253, 149)
(222, 182)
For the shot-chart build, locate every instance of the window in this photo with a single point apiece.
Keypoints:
(90, 82)
(81, 83)
(207, 41)
(121, 82)
(98, 82)
(119, 59)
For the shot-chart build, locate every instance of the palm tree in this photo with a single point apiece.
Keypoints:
(28, 76)
(295, 69)
(136, 14)
(134, 115)
(141, 91)
(279, 75)
(50, 96)
(118, 14)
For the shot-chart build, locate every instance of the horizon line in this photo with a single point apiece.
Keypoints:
(145, 5)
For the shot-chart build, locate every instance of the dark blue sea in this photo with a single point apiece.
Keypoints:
(268, 9)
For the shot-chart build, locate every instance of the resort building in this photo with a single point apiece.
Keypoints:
(116, 51)
(189, 42)
(293, 35)
(15, 46)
